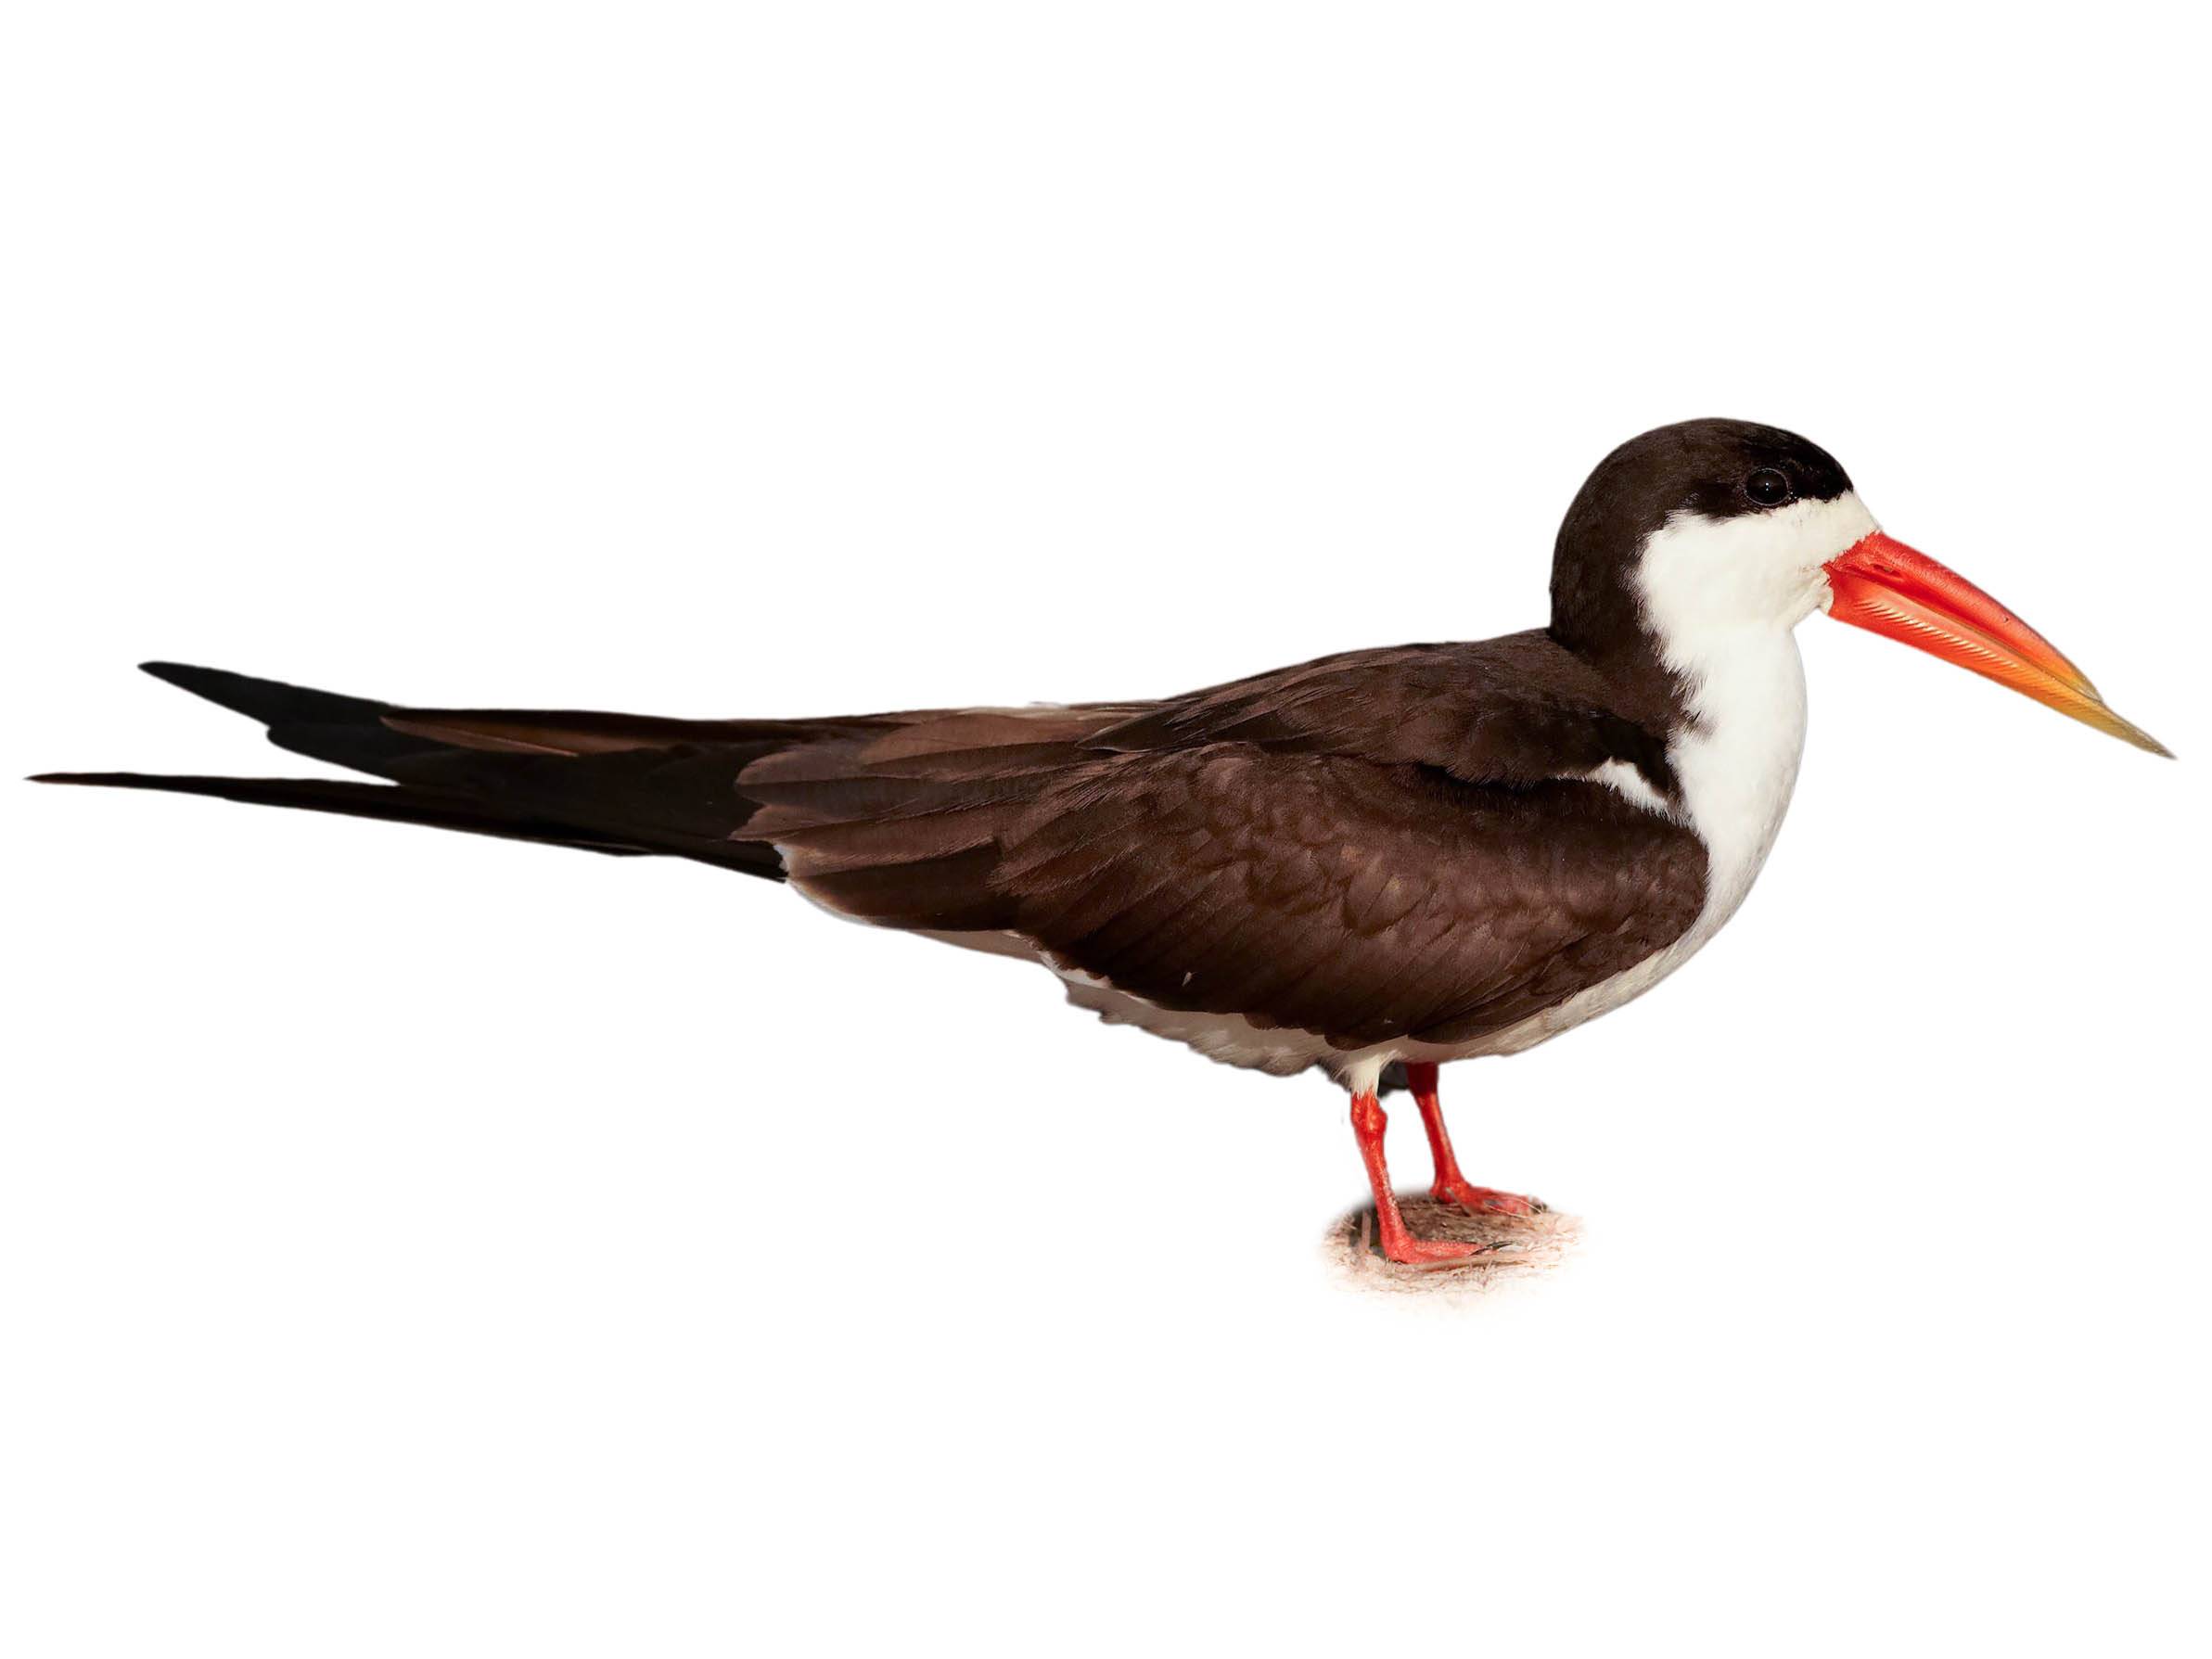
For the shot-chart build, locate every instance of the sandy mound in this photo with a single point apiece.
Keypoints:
(1518, 1247)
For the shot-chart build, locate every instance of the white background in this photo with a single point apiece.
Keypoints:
(417, 1243)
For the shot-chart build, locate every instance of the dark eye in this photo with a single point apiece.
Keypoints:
(1767, 487)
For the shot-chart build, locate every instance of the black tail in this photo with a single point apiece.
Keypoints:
(603, 782)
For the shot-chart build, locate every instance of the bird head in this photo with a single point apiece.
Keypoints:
(1696, 534)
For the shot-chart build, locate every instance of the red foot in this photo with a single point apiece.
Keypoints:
(1459, 1191)
(1451, 1186)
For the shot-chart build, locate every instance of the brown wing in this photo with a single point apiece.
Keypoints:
(1373, 845)
(1365, 902)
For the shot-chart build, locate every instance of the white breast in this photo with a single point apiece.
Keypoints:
(1737, 772)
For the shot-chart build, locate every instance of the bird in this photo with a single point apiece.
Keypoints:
(1373, 863)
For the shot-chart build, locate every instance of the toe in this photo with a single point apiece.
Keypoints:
(1486, 1198)
(1424, 1252)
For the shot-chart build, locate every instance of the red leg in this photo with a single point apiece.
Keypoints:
(1368, 1123)
(1450, 1185)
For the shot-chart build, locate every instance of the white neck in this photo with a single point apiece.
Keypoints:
(1738, 765)
(1722, 597)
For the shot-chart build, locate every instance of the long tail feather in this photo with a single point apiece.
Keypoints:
(389, 802)
(631, 785)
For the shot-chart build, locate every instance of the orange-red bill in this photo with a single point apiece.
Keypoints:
(1887, 588)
